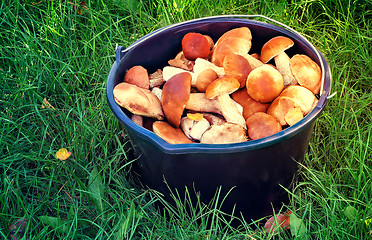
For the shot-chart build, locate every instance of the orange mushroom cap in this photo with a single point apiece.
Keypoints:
(307, 72)
(275, 46)
(237, 40)
(264, 83)
(138, 76)
(221, 85)
(169, 134)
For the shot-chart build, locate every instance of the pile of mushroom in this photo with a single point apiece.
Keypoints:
(219, 93)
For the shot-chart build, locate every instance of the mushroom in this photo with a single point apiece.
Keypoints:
(194, 129)
(293, 116)
(138, 100)
(256, 56)
(169, 134)
(264, 83)
(181, 61)
(200, 103)
(156, 78)
(170, 71)
(202, 64)
(205, 78)
(220, 89)
(303, 96)
(210, 41)
(252, 60)
(137, 119)
(138, 76)
(175, 95)
(237, 41)
(195, 45)
(213, 119)
(307, 72)
(275, 48)
(157, 91)
(224, 133)
(262, 125)
(280, 107)
(249, 105)
(238, 67)
(292, 97)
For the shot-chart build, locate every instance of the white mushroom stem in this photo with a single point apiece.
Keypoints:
(193, 129)
(229, 110)
(157, 91)
(282, 64)
(253, 62)
(199, 129)
(201, 64)
(200, 103)
(169, 71)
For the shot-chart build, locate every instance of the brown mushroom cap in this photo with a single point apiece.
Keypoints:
(181, 61)
(262, 125)
(292, 97)
(224, 133)
(175, 95)
(256, 56)
(275, 46)
(138, 76)
(195, 45)
(210, 40)
(204, 79)
(138, 100)
(280, 107)
(249, 105)
(307, 72)
(264, 83)
(224, 84)
(169, 134)
(238, 67)
(303, 97)
(237, 40)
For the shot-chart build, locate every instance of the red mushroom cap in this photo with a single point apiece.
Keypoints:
(195, 45)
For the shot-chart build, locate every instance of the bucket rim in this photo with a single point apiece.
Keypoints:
(220, 148)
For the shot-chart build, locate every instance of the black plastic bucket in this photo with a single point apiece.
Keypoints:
(254, 171)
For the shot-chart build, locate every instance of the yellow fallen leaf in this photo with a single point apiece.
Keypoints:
(46, 104)
(62, 154)
(195, 116)
(368, 222)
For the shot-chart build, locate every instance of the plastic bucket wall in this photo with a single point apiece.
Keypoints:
(252, 170)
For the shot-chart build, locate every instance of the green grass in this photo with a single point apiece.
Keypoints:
(48, 50)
